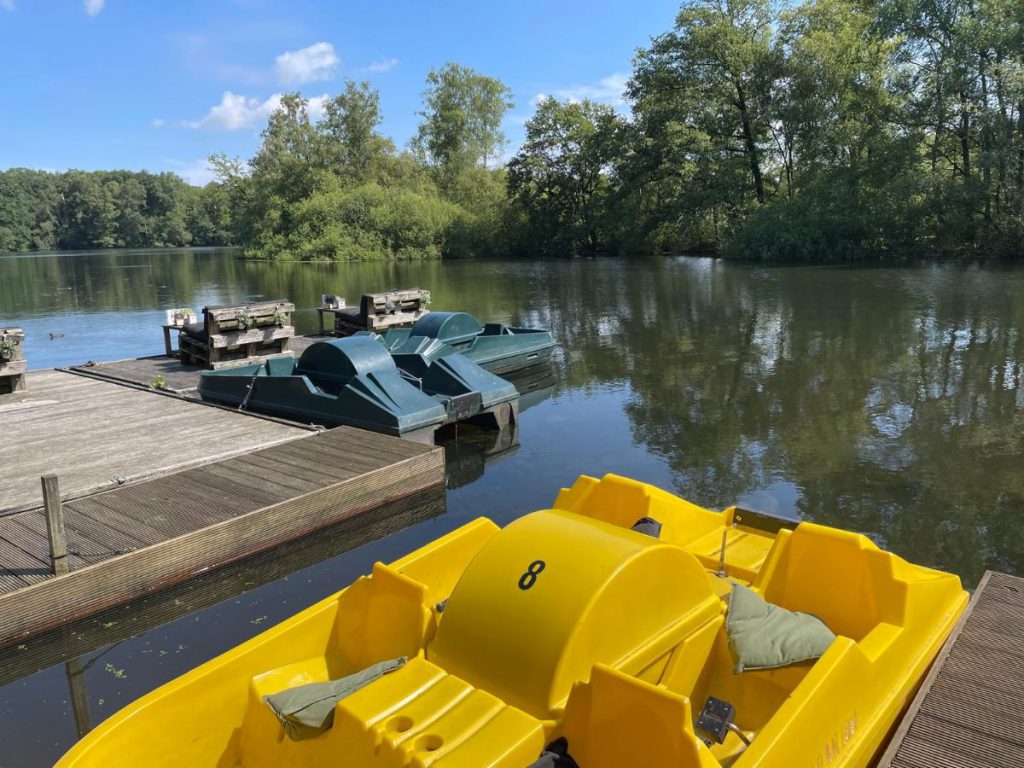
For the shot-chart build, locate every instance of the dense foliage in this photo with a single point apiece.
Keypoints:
(824, 130)
(821, 130)
(108, 209)
(335, 189)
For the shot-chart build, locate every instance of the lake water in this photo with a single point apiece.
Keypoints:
(884, 400)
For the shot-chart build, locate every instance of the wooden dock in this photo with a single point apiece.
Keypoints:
(157, 488)
(112, 625)
(127, 542)
(98, 435)
(178, 378)
(969, 712)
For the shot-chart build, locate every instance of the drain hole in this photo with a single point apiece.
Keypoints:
(430, 742)
(400, 724)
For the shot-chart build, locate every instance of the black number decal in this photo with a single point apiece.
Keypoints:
(529, 578)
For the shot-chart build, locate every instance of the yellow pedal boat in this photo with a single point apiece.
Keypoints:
(569, 625)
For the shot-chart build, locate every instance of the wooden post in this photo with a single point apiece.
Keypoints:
(55, 524)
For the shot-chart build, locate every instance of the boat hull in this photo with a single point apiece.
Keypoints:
(567, 623)
(494, 347)
(354, 382)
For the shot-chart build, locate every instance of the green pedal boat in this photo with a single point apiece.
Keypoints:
(494, 347)
(409, 393)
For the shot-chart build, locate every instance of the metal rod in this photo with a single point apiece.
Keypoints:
(721, 572)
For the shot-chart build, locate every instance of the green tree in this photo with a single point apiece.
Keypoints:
(560, 176)
(461, 120)
(349, 131)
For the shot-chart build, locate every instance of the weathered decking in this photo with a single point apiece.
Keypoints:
(178, 377)
(99, 434)
(139, 538)
(969, 712)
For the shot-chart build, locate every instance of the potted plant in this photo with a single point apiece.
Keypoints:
(245, 320)
(8, 346)
(280, 317)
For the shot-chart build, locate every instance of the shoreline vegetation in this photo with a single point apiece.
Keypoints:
(818, 131)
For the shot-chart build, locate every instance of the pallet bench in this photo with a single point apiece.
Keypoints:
(12, 364)
(378, 312)
(238, 334)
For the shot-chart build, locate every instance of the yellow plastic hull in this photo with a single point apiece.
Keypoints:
(567, 623)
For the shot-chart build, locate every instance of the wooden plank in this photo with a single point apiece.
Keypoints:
(968, 711)
(28, 531)
(251, 336)
(69, 416)
(55, 600)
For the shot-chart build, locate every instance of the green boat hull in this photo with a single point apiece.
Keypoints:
(355, 382)
(494, 347)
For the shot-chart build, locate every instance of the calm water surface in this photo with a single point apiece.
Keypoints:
(888, 401)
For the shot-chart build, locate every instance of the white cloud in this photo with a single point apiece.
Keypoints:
(236, 112)
(157, 122)
(7, 5)
(92, 7)
(380, 65)
(198, 173)
(317, 62)
(608, 90)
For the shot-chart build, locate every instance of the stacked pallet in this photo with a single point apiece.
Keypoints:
(238, 334)
(12, 364)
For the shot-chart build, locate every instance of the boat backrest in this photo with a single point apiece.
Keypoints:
(380, 617)
(616, 720)
(449, 327)
(339, 360)
(838, 576)
(622, 501)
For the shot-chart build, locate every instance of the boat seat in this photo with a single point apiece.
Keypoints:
(616, 720)
(838, 576)
(417, 717)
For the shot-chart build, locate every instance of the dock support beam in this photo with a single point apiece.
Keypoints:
(55, 524)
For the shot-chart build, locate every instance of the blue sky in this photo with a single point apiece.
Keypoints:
(159, 85)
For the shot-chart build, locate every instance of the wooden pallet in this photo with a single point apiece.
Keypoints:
(239, 334)
(969, 712)
(13, 368)
(380, 311)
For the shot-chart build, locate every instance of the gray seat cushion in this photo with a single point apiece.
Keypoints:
(196, 331)
(766, 636)
(308, 710)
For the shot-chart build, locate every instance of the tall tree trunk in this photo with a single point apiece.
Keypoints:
(965, 136)
(986, 142)
(751, 145)
(1020, 156)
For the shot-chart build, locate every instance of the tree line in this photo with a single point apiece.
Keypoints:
(43, 211)
(822, 130)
